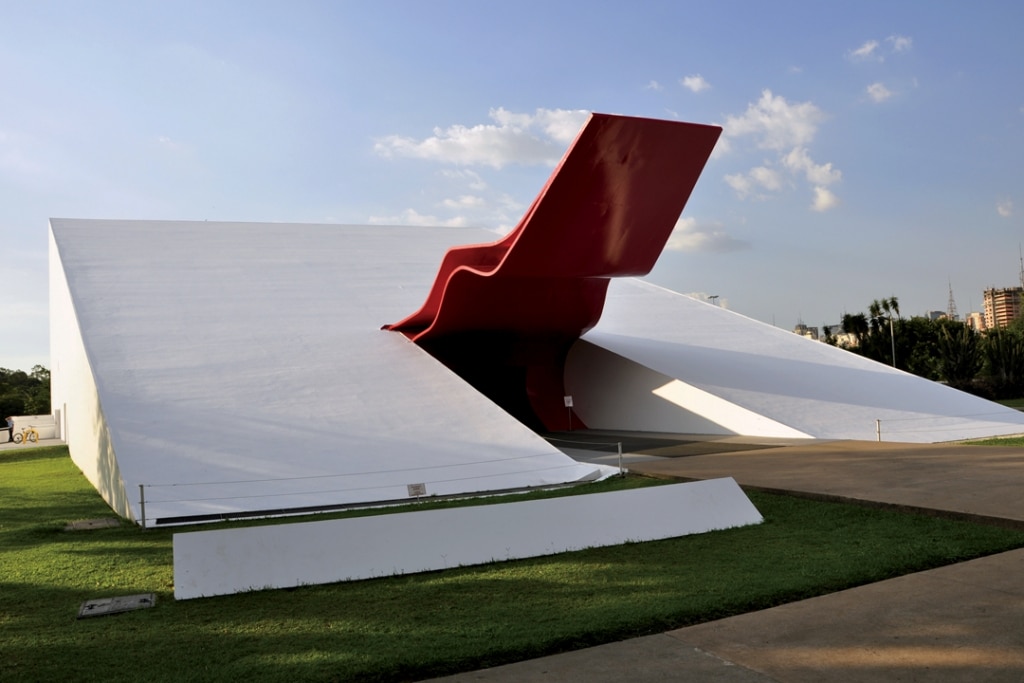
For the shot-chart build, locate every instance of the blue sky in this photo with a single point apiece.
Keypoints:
(871, 149)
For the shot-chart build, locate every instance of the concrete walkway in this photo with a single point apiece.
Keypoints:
(8, 446)
(964, 622)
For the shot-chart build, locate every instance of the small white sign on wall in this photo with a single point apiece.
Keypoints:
(568, 401)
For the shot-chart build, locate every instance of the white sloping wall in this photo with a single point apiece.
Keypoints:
(698, 368)
(74, 396)
(237, 367)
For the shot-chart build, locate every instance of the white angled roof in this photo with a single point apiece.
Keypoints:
(252, 353)
(811, 387)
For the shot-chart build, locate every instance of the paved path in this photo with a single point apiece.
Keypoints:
(7, 446)
(964, 622)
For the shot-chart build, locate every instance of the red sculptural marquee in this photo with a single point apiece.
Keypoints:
(506, 312)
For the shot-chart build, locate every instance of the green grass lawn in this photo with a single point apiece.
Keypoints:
(410, 627)
(1017, 403)
(1014, 441)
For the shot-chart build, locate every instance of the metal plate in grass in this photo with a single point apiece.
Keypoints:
(104, 606)
(85, 524)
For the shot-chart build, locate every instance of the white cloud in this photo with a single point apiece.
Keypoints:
(765, 177)
(691, 237)
(695, 83)
(776, 123)
(786, 128)
(869, 50)
(753, 182)
(561, 125)
(538, 138)
(414, 217)
(173, 146)
(1005, 208)
(740, 183)
(466, 201)
(799, 161)
(878, 92)
(654, 85)
(471, 178)
(899, 43)
(824, 200)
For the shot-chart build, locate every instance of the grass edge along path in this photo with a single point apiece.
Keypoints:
(415, 626)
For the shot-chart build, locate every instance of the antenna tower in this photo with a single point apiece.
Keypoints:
(1021, 254)
(951, 306)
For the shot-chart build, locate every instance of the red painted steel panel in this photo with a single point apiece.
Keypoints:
(607, 210)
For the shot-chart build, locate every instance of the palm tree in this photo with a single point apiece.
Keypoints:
(1004, 350)
(883, 311)
(959, 351)
(891, 305)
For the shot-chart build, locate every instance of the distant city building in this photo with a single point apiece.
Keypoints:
(1002, 306)
(938, 315)
(846, 340)
(976, 321)
(805, 331)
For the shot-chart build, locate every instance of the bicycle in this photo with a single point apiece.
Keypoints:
(27, 434)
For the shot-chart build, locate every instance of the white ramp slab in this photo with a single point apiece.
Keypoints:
(220, 562)
(698, 368)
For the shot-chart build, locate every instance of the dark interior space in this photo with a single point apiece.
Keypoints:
(522, 375)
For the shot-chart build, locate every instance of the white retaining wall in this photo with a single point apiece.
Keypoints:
(220, 562)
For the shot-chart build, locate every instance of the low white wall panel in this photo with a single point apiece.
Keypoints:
(227, 561)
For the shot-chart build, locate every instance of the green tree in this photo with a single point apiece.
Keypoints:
(1004, 355)
(959, 355)
(23, 393)
(855, 324)
(882, 323)
(916, 341)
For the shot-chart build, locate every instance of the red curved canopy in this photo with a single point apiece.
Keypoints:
(607, 210)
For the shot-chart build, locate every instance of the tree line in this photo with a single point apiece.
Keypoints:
(25, 393)
(989, 364)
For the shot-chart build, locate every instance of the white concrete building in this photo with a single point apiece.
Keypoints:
(211, 369)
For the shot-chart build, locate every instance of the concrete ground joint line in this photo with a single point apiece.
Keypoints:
(723, 661)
